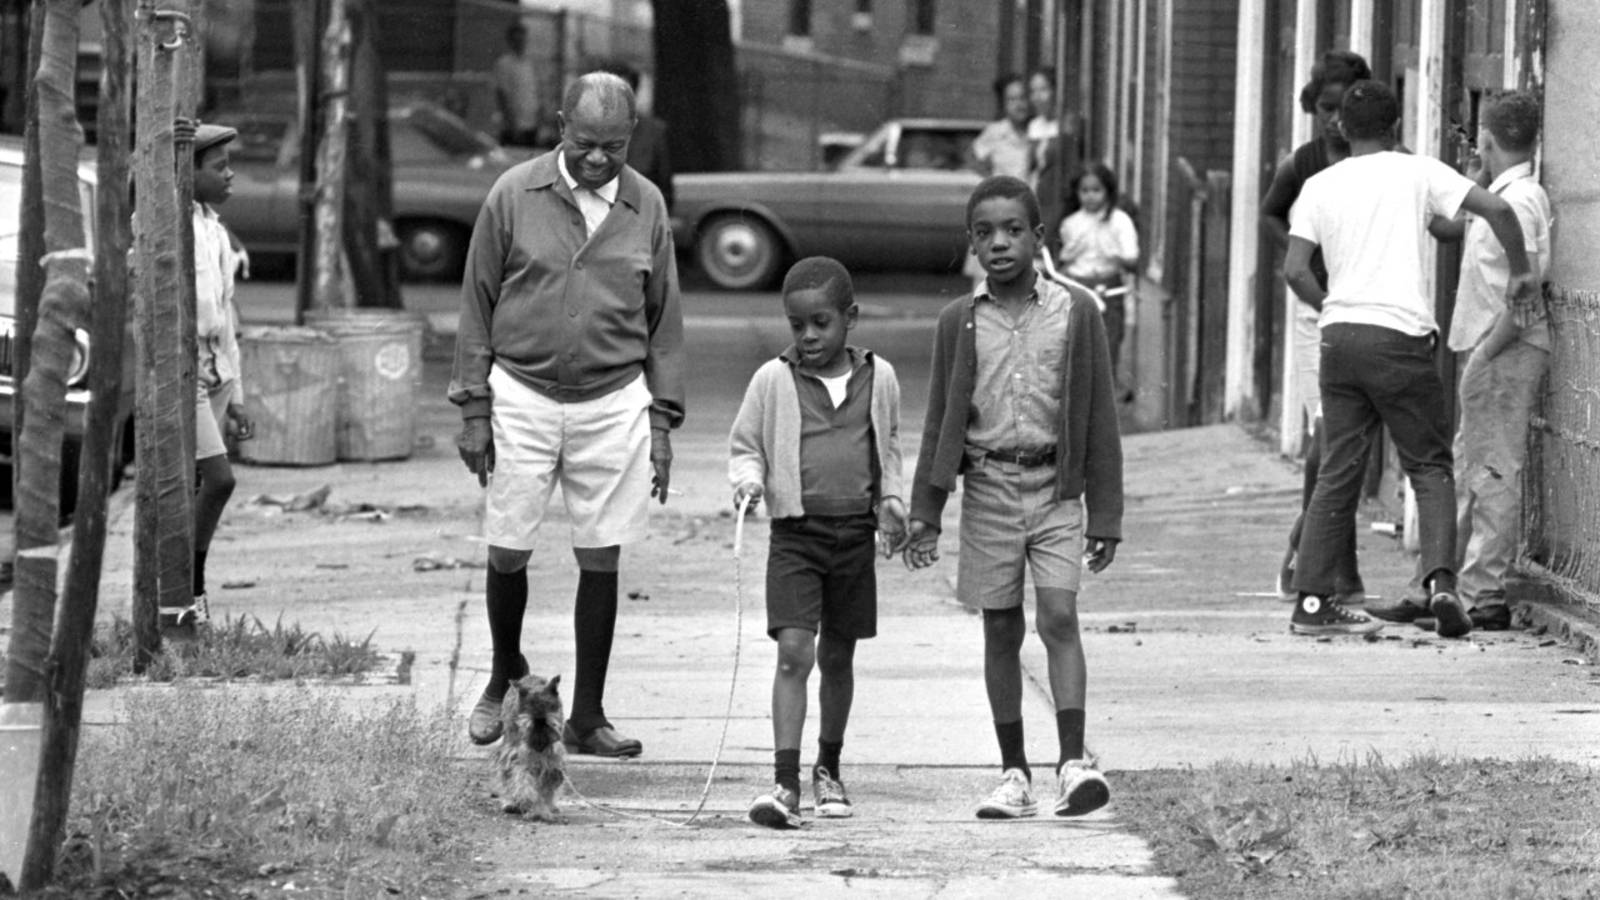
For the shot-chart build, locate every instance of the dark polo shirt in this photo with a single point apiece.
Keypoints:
(837, 462)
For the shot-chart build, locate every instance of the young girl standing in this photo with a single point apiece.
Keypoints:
(1099, 245)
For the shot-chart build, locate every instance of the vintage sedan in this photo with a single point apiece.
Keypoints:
(897, 201)
(77, 375)
(443, 169)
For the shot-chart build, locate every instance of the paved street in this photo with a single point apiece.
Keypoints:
(1190, 659)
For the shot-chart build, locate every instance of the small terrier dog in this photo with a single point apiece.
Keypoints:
(532, 758)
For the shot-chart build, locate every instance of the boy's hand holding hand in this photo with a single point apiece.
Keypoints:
(476, 446)
(892, 526)
(921, 545)
(749, 490)
(1100, 554)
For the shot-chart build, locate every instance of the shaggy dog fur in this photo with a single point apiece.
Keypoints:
(532, 759)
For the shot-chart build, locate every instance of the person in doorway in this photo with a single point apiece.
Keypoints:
(1337, 70)
(219, 398)
(1002, 147)
(1505, 350)
(1100, 246)
(818, 437)
(1020, 407)
(569, 369)
(518, 90)
(1379, 341)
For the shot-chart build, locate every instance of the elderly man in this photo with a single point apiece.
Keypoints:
(568, 369)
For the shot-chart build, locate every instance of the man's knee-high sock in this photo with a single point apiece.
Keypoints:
(507, 600)
(594, 621)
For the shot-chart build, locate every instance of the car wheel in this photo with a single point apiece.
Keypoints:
(431, 251)
(738, 252)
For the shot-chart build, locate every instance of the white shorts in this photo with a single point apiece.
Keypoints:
(599, 451)
(211, 420)
(1307, 360)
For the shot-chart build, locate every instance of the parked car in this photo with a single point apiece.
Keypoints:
(443, 170)
(897, 201)
(11, 155)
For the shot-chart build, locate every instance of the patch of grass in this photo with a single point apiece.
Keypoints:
(1426, 828)
(242, 647)
(205, 792)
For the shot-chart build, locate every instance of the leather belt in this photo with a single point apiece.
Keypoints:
(1028, 459)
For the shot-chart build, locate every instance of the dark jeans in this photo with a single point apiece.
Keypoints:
(1370, 375)
(1348, 579)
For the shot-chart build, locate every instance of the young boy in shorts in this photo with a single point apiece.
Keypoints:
(1021, 406)
(818, 437)
(1379, 342)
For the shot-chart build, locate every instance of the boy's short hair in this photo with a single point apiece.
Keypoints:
(1344, 67)
(1369, 110)
(821, 273)
(1009, 188)
(1513, 119)
(1004, 81)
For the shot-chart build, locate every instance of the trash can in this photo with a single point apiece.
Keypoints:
(291, 378)
(380, 368)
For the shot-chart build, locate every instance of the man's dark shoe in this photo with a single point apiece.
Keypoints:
(603, 741)
(1404, 611)
(1490, 617)
(1450, 613)
(483, 725)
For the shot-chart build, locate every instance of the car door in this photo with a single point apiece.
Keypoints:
(263, 210)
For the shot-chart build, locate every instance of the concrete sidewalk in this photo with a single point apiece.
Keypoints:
(1190, 662)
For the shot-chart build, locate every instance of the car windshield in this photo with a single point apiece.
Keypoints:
(421, 133)
(917, 147)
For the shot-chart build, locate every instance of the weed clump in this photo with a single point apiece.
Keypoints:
(235, 648)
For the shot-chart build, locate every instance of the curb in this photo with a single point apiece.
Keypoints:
(1539, 604)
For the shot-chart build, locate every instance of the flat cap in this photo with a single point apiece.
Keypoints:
(207, 136)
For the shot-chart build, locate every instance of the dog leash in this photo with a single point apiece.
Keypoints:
(733, 682)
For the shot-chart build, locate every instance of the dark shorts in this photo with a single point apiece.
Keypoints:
(822, 575)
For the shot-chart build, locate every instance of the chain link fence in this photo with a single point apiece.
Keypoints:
(1561, 489)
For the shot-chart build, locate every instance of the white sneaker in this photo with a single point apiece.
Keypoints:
(830, 800)
(1080, 788)
(778, 809)
(1011, 800)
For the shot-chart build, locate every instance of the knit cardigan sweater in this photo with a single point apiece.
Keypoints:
(1088, 445)
(765, 441)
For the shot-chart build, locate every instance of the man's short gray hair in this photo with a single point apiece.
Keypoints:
(608, 90)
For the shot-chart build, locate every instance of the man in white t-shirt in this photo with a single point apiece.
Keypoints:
(1379, 344)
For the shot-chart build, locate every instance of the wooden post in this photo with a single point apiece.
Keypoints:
(308, 22)
(369, 205)
(1239, 390)
(58, 749)
(163, 472)
(328, 277)
(30, 243)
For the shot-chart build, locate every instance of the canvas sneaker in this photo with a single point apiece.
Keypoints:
(831, 802)
(778, 809)
(1449, 613)
(1080, 788)
(1011, 800)
(1318, 616)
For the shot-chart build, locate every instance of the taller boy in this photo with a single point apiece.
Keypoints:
(1379, 342)
(568, 368)
(1020, 404)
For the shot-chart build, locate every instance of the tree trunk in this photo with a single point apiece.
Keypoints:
(30, 243)
(165, 479)
(369, 196)
(69, 657)
(328, 276)
(62, 308)
(308, 18)
(697, 84)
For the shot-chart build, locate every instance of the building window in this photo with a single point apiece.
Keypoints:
(800, 18)
(920, 15)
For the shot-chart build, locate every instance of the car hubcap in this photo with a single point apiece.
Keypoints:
(425, 246)
(739, 247)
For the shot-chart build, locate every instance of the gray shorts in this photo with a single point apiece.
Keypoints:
(1011, 522)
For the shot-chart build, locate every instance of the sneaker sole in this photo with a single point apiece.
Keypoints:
(1084, 799)
(1007, 812)
(1321, 630)
(1451, 621)
(773, 817)
(834, 811)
